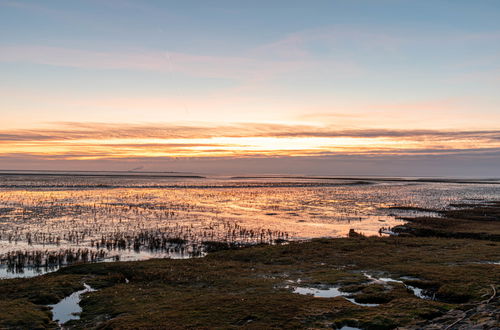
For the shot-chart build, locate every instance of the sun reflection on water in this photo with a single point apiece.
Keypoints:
(46, 220)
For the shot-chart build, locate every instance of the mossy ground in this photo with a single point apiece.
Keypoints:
(248, 287)
(252, 287)
(480, 221)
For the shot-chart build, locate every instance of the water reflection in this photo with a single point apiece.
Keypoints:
(52, 221)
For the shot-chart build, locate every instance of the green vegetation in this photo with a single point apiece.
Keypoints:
(253, 287)
(468, 221)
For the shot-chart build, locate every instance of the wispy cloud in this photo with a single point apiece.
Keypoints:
(289, 54)
(157, 61)
(107, 131)
(99, 140)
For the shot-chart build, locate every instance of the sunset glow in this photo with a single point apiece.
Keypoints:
(241, 146)
(263, 164)
(130, 87)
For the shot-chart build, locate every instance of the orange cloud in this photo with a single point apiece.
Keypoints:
(97, 140)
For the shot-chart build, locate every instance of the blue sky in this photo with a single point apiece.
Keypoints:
(323, 65)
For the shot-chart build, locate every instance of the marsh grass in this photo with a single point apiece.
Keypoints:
(249, 286)
(247, 279)
(60, 228)
(480, 221)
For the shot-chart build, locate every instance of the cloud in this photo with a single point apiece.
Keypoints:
(102, 141)
(290, 54)
(77, 131)
(302, 43)
(231, 67)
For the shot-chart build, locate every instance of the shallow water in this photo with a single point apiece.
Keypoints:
(69, 307)
(320, 293)
(57, 220)
(384, 280)
(26, 272)
(331, 292)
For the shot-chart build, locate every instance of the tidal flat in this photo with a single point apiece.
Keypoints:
(255, 287)
(52, 220)
(431, 273)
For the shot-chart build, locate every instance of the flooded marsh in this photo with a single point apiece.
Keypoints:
(48, 221)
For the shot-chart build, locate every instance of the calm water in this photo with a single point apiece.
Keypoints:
(48, 221)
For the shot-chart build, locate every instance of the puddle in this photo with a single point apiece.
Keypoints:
(320, 293)
(383, 280)
(69, 308)
(361, 304)
(345, 327)
(388, 232)
(328, 293)
(333, 292)
(488, 262)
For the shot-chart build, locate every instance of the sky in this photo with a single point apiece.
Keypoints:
(337, 87)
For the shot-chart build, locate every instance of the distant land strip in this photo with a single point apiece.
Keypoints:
(437, 180)
(104, 175)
